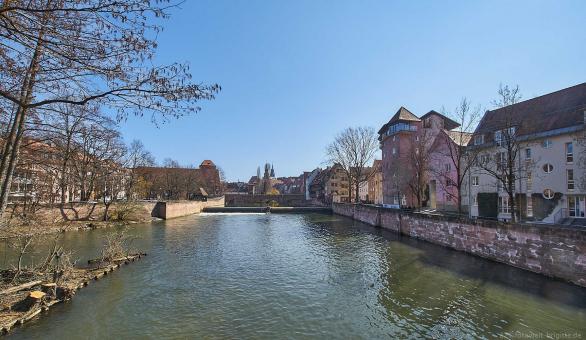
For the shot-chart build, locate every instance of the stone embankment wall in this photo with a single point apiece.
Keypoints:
(551, 250)
(287, 200)
(171, 209)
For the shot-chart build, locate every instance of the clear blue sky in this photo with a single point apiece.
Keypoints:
(295, 73)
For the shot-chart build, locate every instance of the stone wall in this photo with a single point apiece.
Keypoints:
(551, 250)
(172, 209)
(289, 200)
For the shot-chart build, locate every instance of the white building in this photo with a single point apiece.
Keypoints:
(549, 153)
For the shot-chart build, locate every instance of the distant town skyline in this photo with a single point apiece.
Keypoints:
(294, 74)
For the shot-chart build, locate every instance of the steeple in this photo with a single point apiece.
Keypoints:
(272, 171)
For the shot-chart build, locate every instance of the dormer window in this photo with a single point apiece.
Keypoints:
(478, 139)
(498, 137)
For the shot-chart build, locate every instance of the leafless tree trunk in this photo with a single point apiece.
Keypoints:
(504, 165)
(83, 51)
(354, 149)
(453, 147)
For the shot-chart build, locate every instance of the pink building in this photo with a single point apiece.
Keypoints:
(445, 173)
(411, 166)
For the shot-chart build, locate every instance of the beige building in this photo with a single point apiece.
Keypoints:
(330, 185)
(549, 151)
(375, 183)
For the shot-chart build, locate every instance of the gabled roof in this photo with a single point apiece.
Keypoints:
(402, 115)
(553, 111)
(460, 138)
(449, 124)
(207, 162)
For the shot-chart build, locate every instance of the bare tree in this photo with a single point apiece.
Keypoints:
(137, 156)
(111, 171)
(452, 148)
(418, 166)
(504, 165)
(354, 149)
(79, 51)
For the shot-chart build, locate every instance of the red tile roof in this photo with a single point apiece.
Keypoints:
(402, 115)
(556, 110)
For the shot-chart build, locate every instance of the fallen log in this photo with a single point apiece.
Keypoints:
(33, 299)
(50, 289)
(20, 287)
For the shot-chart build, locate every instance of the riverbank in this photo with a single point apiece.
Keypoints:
(550, 250)
(24, 301)
(48, 220)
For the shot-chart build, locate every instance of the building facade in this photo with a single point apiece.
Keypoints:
(178, 183)
(408, 143)
(375, 183)
(545, 139)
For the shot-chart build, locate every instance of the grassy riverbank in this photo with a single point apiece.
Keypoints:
(45, 220)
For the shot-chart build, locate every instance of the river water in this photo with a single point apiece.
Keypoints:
(304, 276)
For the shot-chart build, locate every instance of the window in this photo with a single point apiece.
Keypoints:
(448, 167)
(547, 143)
(498, 137)
(548, 194)
(547, 168)
(570, 178)
(475, 200)
(394, 138)
(501, 160)
(478, 139)
(394, 151)
(484, 159)
(528, 153)
(401, 127)
(572, 205)
(475, 181)
(504, 207)
(569, 152)
(529, 181)
(529, 206)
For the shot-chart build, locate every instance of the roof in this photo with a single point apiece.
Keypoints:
(207, 162)
(321, 177)
(556, 110)
(449, 124)
(461, 138)
(402, 115)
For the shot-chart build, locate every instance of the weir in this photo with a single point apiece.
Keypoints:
(275, 210)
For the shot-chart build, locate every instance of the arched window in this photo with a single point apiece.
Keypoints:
(547, 168)
(548, 194)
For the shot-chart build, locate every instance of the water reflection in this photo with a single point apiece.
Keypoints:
(297, 276)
